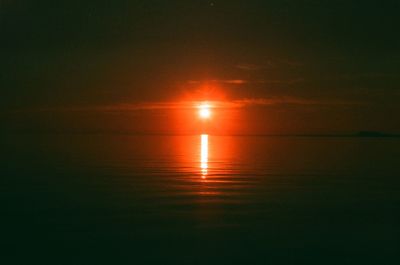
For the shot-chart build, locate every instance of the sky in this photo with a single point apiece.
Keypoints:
(272, 67)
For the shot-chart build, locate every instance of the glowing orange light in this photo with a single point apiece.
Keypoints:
(204, 155)
(204, 111)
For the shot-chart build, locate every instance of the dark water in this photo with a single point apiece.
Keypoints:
(92, 199)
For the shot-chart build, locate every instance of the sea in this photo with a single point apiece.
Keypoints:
(199, 199)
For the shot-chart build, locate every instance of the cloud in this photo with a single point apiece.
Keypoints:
(248, 67)
(243, 81)
(369, 75)
(181, 105)
(281, 81)
(289, 101)
(270, 64)
(219, 81)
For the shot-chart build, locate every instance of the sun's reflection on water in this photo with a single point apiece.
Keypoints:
(204, 155)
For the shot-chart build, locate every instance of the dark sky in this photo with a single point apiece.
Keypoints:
(302, 66)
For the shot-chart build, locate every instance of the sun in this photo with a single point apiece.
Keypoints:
(204, 111)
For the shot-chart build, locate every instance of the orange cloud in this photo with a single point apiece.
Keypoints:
(226, 104)
(219, 81)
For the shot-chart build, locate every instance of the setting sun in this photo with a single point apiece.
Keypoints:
(204, 111)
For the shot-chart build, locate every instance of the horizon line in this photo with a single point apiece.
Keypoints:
(360, 134)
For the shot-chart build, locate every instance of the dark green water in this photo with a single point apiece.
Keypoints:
(95, 199)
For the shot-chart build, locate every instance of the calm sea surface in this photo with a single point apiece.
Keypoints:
(101, 199)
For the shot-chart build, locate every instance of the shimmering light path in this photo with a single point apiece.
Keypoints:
(204, 155)
(155, 199)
